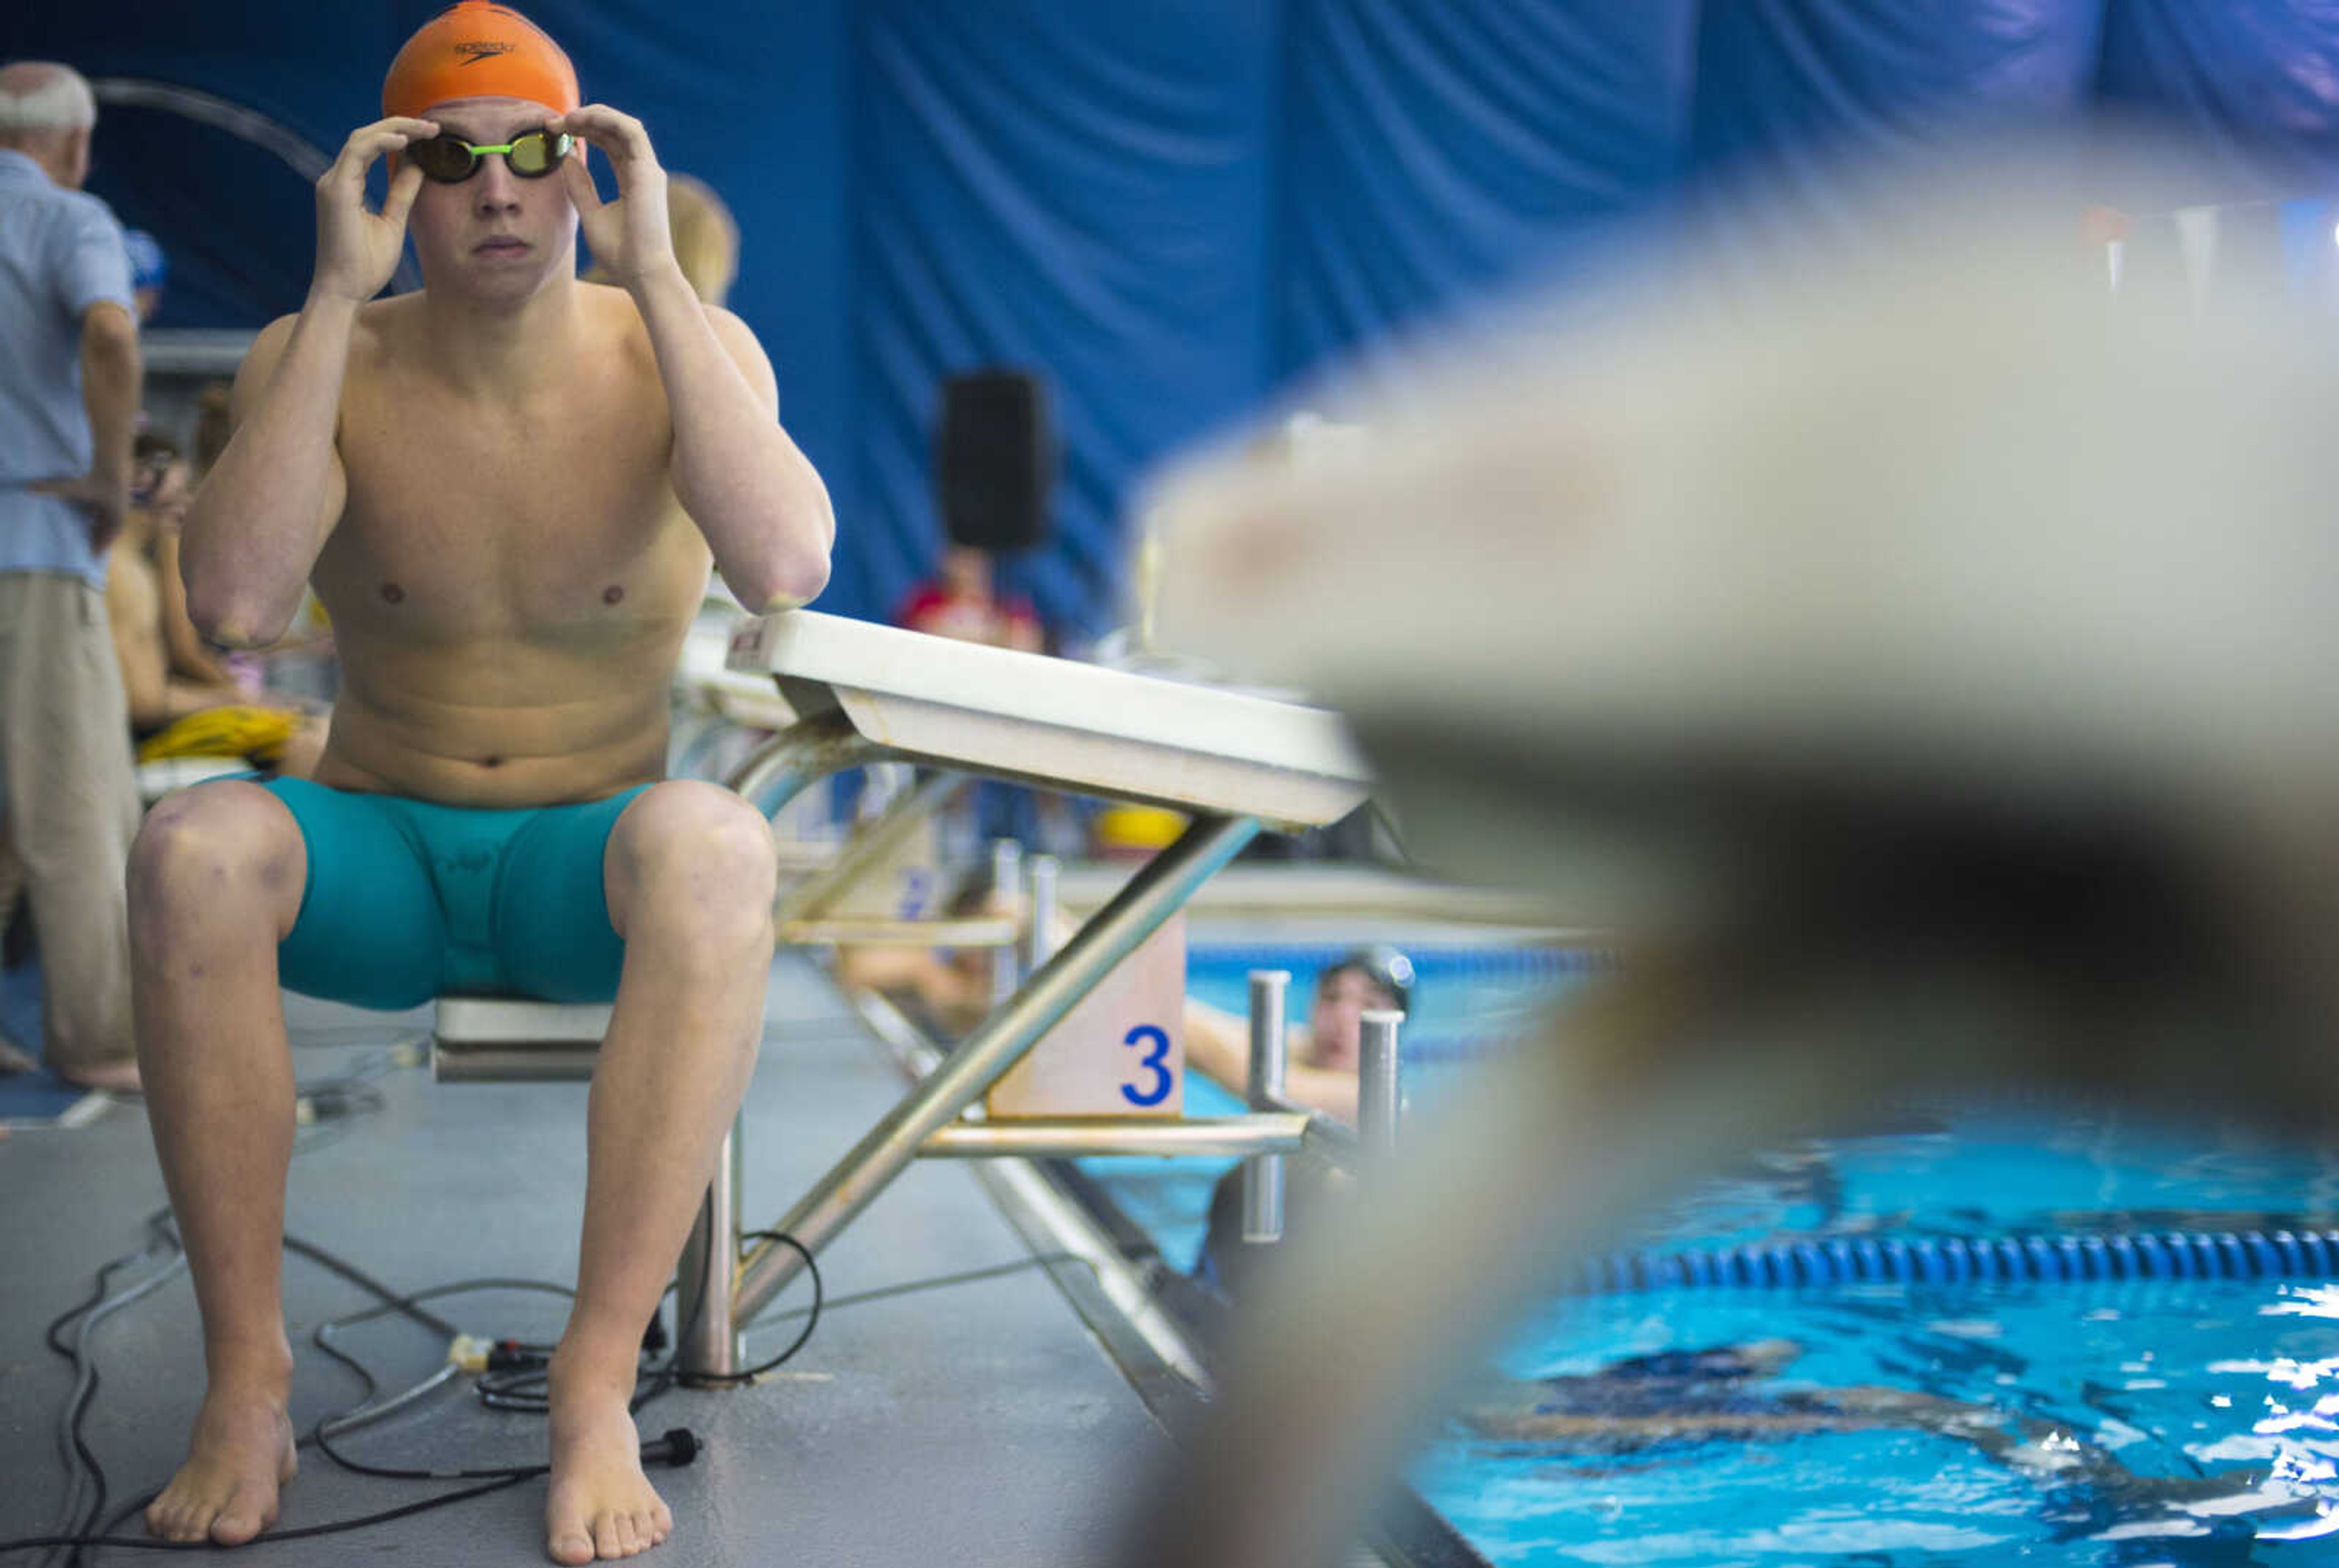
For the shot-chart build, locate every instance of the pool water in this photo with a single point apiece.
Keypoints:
(2102, 1423)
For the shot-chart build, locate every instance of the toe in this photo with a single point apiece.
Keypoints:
(571, 1546)
(566, 1540)
(180, 1523)
(646, 1530)
(241, 1520)
(605, 1535)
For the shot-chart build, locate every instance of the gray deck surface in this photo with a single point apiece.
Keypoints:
(976, 1425)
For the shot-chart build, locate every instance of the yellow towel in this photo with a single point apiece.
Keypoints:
(234, 730)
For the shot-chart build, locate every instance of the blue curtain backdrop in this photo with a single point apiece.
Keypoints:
(1175, 209)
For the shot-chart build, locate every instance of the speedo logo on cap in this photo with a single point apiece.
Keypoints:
(473, 53)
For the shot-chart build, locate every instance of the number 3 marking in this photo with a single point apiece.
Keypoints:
(1156, 1060)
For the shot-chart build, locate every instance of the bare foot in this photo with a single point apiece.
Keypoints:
(601, 1504)
(241, 1453)
(113, 1077)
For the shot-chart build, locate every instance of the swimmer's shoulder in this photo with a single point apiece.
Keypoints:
(385, 329)
(379, 323)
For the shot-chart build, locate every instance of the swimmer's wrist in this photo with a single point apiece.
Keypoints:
(330, 304)
(664, 275)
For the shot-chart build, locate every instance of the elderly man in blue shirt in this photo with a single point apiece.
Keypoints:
(69, 389)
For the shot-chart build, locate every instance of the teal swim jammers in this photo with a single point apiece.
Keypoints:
(406, 900)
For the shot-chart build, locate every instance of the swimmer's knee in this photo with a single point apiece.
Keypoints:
(690, 824)
(686, 833)
(208, 842)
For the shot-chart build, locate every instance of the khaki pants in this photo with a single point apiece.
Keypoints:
(71, 808)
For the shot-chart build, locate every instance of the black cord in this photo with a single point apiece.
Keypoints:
(367, 1282)
(320, 1435)
(812, 1321)
(161, 1238)
(147, 1544)
(493, 1480)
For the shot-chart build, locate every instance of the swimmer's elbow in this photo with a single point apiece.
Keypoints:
(791, 583)
(224, 623)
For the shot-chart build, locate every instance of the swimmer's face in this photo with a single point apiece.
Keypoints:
(1336, 1028)
(495, 236)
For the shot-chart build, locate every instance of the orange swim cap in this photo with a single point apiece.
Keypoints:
(477, 50)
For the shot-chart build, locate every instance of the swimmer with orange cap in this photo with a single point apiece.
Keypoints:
(506, 489)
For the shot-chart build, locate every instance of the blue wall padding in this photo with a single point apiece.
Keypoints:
(1079, 189)
(1790, 90)
(2254, 82)
(1176, 210)
(1429, 152)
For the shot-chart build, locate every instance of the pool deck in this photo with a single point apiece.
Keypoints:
(984, 1423)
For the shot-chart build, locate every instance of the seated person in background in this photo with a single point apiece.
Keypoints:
(961, 601)
(950, 987)
(162, 691)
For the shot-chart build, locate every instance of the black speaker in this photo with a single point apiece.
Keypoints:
(994, 460)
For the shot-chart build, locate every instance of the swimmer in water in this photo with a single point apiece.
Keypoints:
(507, 489)
(1715, 1395)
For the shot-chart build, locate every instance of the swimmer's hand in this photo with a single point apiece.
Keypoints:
(357, 248)
(630, 238)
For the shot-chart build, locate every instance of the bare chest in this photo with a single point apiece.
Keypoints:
(549, 523)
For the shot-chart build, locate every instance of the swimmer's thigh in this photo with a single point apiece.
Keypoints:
(553, 936)
(370, 931)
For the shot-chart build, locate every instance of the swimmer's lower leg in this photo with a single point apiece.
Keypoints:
(209, 881)
(207, 888)
(681, 1046)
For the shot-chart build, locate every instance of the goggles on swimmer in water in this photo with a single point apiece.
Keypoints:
(1381, 965)
(451, 160)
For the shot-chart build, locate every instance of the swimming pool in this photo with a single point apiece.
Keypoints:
(2101, 1422)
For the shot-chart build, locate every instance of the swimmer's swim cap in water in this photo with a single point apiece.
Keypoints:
(477, 50)
(1383, 965)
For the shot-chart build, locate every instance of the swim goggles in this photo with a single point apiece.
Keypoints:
(451, 160)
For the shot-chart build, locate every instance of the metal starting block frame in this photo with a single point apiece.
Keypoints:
(1233, 762)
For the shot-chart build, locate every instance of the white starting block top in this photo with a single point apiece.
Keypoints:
(743, 699)
(1061, 724)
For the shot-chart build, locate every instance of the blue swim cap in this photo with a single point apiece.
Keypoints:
(148, 266)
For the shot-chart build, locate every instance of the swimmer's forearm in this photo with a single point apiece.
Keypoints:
(263, 514)
(1218, 1046)
(752, 492)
